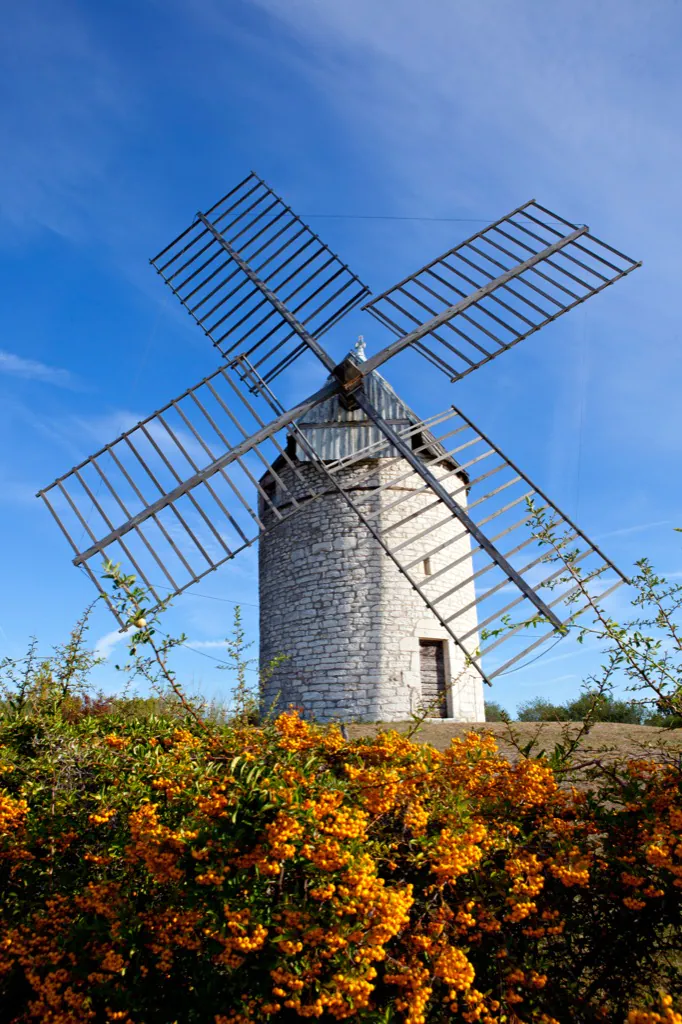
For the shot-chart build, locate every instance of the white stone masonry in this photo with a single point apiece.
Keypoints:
(348, 620)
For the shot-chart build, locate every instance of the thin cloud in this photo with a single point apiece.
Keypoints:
(77, 107)
(14, 492)
(106, 644)
(639, 528)
(76, 435)
(32, 369)
(207, 644)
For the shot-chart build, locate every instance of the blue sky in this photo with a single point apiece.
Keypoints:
(119, 120)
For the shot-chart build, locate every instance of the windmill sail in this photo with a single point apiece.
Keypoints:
(415, 528)
(180, 493)
(498, 287)
(252, 227)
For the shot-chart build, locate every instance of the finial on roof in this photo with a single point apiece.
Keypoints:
(359, 349)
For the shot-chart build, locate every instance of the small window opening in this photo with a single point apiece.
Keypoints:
(290, 449)
(427, 566)
(432, 670)
(416, 441)
(270, 491)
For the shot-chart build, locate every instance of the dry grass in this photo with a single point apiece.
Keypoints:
(605, 740)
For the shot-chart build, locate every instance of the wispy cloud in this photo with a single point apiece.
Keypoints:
(639, 528)
(540, 121)
(77, 435)
(32, 369)
(207, 644)
(75, 108)
(14, 492)
(481, 124)
(106, 644)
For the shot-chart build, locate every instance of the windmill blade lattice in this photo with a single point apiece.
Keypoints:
(252, 222)
(470, 594)
(179, 494)
(498, 287)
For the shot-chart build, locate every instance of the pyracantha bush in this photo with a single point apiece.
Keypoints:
(155, 869)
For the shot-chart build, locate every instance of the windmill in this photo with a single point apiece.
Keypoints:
(220, 466)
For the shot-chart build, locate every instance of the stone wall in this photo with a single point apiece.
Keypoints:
(348, 620)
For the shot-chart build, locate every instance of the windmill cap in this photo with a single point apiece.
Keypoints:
(335, 431)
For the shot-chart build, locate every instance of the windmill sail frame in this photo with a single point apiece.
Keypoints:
(479, 305)
(193, 523)
(512, 504)
(252, 226)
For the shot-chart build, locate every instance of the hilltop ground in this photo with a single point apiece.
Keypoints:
(605, 739)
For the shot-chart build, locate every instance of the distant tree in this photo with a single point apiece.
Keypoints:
(494, 712)
(541, 710)
(592, 705)
(663, 717)
(602, 707)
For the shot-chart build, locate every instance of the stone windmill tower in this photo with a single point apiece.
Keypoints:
(358, 639)
(399, 565)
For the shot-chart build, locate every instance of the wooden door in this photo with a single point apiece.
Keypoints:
(432, 665)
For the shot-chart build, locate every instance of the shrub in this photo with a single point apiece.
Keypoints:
(157, 869)
(158, 866)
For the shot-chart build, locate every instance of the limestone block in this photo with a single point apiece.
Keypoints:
(345, 543)
(408, 643)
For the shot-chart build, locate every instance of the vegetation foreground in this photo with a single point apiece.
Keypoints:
(163, 866)
(159, 868)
